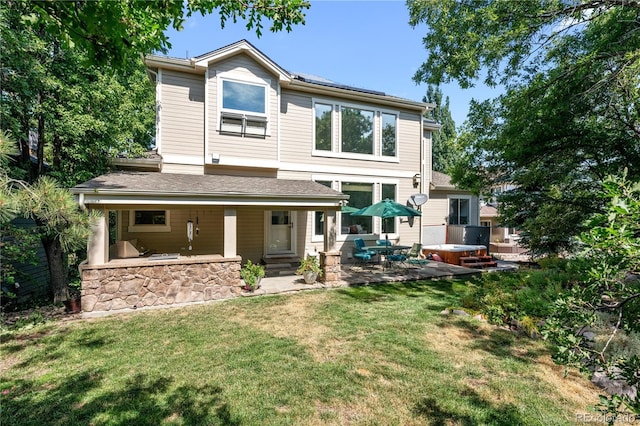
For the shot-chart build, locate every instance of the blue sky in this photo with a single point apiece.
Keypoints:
(367, 44)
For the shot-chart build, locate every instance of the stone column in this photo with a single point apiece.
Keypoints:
(230, 233)
(98, 243)
(330, 262)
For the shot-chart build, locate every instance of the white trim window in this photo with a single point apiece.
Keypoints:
(149, 221)
(459, 210)
(364, 132)
(243, 107)
(323, 127)
(356, 130)
(390, 224)
(318, 216)
(360, 196)
(389, 134)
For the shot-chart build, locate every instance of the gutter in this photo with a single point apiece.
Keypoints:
(146, 164)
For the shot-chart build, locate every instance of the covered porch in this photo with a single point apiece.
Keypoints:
(170, 239)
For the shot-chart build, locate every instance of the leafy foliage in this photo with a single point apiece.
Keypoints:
(569, 117)
(607, 303)
(251, 273)
(114, 32)
(445, 149)
(309, 264)
(60, 224)
(520, 297)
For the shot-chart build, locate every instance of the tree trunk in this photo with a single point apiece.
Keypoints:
(41, 139)
(57, 269)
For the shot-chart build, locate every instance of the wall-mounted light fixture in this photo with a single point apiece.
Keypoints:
(416, 180)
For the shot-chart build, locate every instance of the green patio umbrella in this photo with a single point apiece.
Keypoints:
(387, 208)
(348, 209)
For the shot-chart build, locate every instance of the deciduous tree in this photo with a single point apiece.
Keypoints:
(570, 115)
(74, 94)
(115, 32)
(445, 147)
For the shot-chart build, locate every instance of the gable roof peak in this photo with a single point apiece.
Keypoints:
(241, 46)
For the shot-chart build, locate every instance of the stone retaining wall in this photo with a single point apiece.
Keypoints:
(143, 284)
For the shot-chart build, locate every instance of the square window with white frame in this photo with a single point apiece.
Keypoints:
(459, 211)
(244, 108)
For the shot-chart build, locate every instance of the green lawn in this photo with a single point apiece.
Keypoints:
(373, 355)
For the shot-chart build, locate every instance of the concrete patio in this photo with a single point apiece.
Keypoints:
(287, 282)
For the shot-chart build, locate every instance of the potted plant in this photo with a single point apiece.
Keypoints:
(73, 304)
(309, 269)
(251, 274)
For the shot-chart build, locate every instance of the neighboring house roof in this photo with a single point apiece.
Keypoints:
(299, 81)
(441, 181)
(173, 188)
(488, 211)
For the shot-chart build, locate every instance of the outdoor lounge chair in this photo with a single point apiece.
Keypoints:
(414, 255)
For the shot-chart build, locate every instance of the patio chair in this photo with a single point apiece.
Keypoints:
(360, 252)
(361, 257)
(414, 255)
(396, 258)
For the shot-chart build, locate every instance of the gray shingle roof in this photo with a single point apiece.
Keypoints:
(440, 180)
(154, 183)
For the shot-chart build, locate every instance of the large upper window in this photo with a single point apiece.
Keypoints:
(458, 211)
(361, 195)
(363, 132)
(356, 130)
(324, 125)
(246, 97)
(389, 138)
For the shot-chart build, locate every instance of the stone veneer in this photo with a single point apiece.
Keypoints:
(128, 284)
(330, 261)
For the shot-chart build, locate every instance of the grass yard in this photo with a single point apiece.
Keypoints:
(372, 355)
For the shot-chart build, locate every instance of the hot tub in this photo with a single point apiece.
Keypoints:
(451, 253)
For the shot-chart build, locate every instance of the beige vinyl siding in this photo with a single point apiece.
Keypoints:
(210, 239)
(296, 127)
(182, 115)
(235, 145)
(436, 210)
(250, 223)
(186, 169)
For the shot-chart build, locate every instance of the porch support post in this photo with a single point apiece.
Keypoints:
(230, 233)
(330, 230)
(98, 243)
(330, 257)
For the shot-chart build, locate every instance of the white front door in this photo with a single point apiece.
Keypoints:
(280, 232)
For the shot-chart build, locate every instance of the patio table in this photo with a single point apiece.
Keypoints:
(386, 251)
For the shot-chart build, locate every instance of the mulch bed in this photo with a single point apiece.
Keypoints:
(49, 313)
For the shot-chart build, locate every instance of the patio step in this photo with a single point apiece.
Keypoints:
(477, 262)
(284, 265)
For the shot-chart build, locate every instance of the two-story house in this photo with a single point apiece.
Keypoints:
(253, 162)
